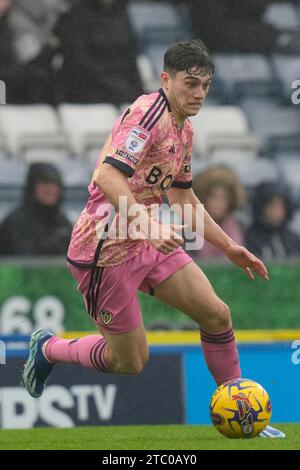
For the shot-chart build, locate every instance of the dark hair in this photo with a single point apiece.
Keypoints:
(187, 55)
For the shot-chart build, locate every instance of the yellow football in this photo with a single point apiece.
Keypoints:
(240, 409)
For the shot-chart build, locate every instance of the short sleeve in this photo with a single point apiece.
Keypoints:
(130, 142)
(184, 178)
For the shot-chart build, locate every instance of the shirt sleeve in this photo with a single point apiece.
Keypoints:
(184, 179)
(130, 142)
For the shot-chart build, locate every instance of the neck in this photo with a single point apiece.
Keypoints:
(179, 116)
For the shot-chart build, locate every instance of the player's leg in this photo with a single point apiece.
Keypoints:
(115, 352)
(111, 301)
(189, 290)
(122, 346)
(124, 353)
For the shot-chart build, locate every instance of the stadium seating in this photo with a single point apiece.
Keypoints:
(280, 156)
(233, 135)
(295, 222)
(12, 172)
(253, 172)
(149, 77)
(277, 127)
(231, 156)
(156, 22)
(155, 52)
(32, 132)
(245, 75)
(87, 127)
(3, 148)
(282, 16)
(74, 172)
(75, 175)
(222, 127)
(290, 170)
(12, 178)
(217, 94)
(74, 201)
(7, 206)
(287, 69)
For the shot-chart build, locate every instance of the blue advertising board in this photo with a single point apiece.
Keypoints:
(274, 366)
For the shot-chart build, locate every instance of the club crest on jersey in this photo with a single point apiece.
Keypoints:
(136, 140)
(105, 316)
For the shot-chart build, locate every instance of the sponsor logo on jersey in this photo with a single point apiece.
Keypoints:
(136, 140)
(140, 135)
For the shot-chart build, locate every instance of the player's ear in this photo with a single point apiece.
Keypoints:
(165, 79)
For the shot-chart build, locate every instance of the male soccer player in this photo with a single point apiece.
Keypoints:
(147, 155)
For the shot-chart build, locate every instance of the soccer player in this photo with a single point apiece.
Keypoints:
(146, 156)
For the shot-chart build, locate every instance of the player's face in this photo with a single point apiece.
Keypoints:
(275, 211)
(187, 91)
(47, 194)
(4, 6)
(217, 203)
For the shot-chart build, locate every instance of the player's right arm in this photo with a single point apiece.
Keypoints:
(113, 183)
(116, 164)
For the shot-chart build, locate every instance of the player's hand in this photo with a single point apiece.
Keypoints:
(240, 256)
(165, 238)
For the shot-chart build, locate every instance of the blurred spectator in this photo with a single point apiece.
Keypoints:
(38, 227)
(32, 22)
(269, 236)
(25, 61)
(10, 71)
(222, 194)
(234, 26)
(99, 54)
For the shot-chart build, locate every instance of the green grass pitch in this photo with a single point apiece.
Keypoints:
(179, 437)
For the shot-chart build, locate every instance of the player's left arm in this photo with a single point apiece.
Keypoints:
(213, 233)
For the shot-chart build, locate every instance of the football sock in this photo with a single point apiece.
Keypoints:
(221, 355)
(87, 351)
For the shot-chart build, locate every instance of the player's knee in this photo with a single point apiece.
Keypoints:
(136, 365)
(222, 316)
(217, 316)
(133, 368)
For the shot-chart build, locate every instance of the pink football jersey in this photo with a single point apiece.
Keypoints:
(155, 153)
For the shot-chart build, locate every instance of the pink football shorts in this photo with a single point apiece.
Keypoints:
(111, 297)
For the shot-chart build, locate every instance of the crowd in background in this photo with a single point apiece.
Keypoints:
(85, 51)
(54, 51)
(68, 51)
(39, 227)
(268, 235)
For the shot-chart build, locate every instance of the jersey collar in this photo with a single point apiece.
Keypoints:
(162, 93)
